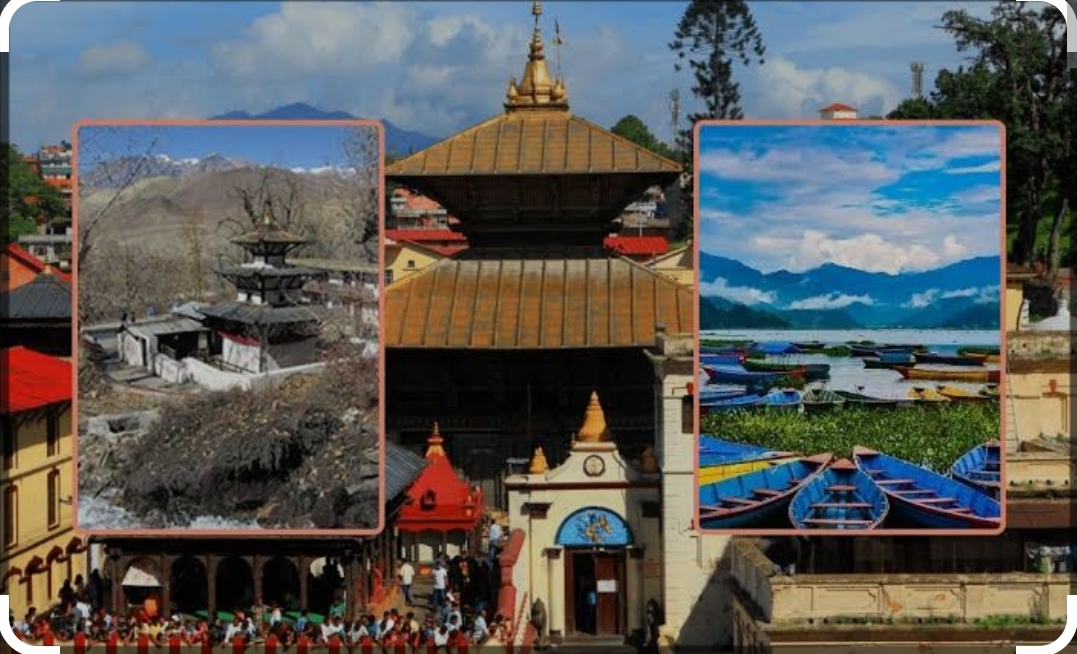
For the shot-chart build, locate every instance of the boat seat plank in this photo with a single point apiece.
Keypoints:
(738, 500)
(840, 489)
(841, 505)
(914, 491)
(767, 491)
(895, 482)
(836, 521)
(936, 500)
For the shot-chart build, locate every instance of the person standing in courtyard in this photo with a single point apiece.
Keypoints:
(406, 576)
(494, 546)
(441, 584)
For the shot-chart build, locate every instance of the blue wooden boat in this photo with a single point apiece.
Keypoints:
(738, 375)
(841, 498)
(757, 497)
(949, 360)
(721, 359)
(730, 403)
(810, 346)
(712, 392)
(927, 498)
(981, 468)
(876, 350)
(782, 399)
(715, 451)
(723, 349)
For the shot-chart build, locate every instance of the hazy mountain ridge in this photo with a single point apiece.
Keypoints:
(957, 296)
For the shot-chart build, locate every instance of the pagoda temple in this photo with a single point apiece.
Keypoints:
(503, 343)
(443, 511)
(266, 327)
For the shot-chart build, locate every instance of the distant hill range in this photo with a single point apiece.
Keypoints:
(398, 141)
(131, 169)
(963, 295)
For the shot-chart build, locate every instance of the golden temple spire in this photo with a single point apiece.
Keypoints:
(434, 449)
(538, 463)
(593, 429)
(537, 89)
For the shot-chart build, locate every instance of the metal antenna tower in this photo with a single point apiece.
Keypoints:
(917, 69)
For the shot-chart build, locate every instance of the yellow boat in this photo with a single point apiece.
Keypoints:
(965, 395)
(927, 395)
(711, 474)
(933, 374)
(990, 390)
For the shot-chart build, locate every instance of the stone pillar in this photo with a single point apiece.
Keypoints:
(115, 573)
(555, 591)
(258, 564)
(351, 589)
(164, 568)
(211, 584)
(303, 563)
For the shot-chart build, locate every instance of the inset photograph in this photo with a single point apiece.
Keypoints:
(228, 279)
(850, 320)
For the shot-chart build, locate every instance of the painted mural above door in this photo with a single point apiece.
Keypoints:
(594, 527)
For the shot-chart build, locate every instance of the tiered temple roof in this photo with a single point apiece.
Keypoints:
(439, 500)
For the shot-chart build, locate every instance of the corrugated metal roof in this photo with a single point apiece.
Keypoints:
(46, 297)
(425, 235)
(33, 380)
(534, 302)
(402, 468)
(532, 143)
(171, 325)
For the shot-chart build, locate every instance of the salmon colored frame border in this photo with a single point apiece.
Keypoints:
(699, 126)
(75, 335)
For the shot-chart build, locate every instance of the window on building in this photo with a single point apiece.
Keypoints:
(411, 263)
(11, 517)
(10, 444)
(54, 499)
(388, 277)
(53, 433)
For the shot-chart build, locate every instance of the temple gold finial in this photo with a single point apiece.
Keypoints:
(47, 270)
(537, 89)
(434, 444)
(538, 463)
(593, 429)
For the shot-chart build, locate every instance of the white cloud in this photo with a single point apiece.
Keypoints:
(118, 58)
(989, 167)
(831, 301)
(742, 294)
(787, 90)
(867, 252)
(981, 295)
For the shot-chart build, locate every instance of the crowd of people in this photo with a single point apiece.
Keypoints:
(459, 613)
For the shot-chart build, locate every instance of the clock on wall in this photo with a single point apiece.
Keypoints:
(594, 466)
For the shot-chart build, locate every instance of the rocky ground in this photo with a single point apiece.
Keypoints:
(303, 454)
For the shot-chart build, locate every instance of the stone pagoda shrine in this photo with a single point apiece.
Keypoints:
(267, 327)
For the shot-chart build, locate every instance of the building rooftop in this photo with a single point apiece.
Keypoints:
(46, 297)
(333, 265)
(650, 246)
(34, 380)
(402, 468)
(545, 299)
(425, 235)
(175, 324)
(20, 254)
(259, 314)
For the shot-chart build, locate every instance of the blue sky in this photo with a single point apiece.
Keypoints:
(272, 145)
(439, 66)
(876, 198)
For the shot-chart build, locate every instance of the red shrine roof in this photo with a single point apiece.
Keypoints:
(837, 106)
(439, 500)
(425, 236)
(637, 245)
(28, 260)
(35, 380)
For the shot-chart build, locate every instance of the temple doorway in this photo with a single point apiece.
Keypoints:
(595, 592)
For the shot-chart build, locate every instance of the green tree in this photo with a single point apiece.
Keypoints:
(1017, 74)
(28, 196)
(631, 127)
(711, 38)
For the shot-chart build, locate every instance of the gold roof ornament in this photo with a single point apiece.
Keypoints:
(593, 429)
(434, 444)
(537, 89)
(538, 463)
(47, 270)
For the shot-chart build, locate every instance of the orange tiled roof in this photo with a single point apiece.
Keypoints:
(534, 303)
(532, 142)
(637, 245)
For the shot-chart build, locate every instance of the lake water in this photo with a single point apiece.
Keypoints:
(848, 373)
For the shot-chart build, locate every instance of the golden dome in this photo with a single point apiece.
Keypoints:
(593, 429)
(536, 89)
(538, 463)
(434, 444)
